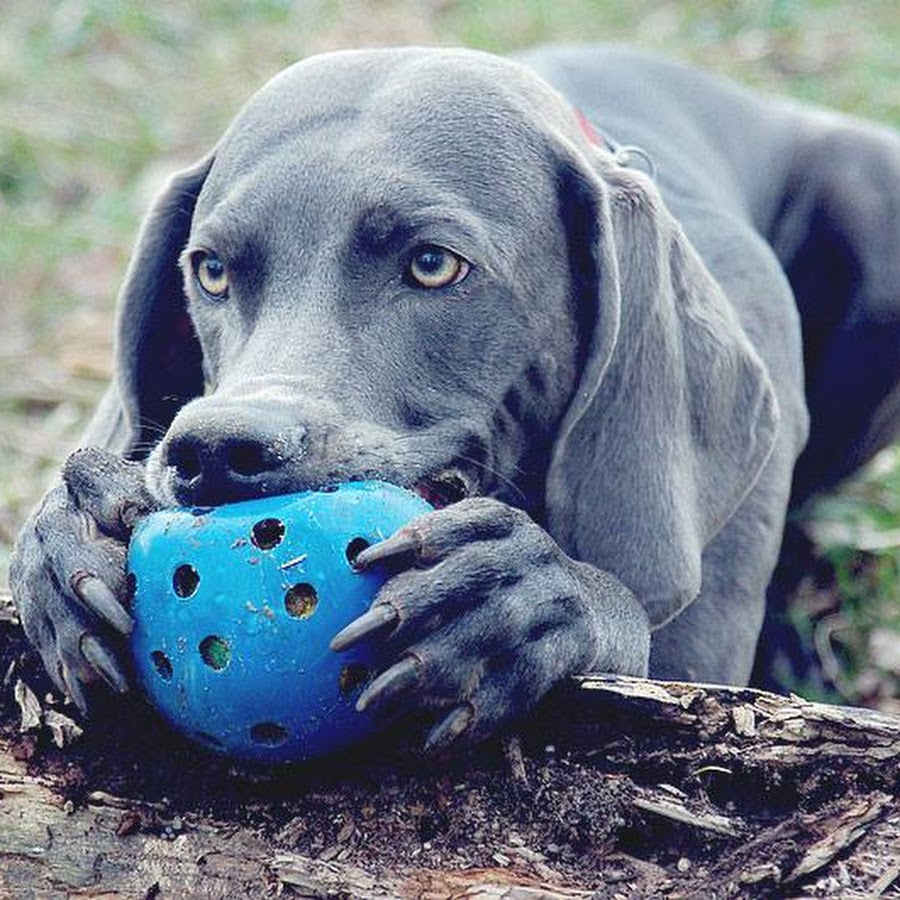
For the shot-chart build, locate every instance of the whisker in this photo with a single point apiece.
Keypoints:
(153, 426)
(143, 447)
(497, 475)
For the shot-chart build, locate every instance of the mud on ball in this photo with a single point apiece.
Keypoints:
(234, 608)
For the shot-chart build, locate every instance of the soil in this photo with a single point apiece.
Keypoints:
(561, 808)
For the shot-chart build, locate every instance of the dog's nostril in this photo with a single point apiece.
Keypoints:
(246, 459)
(185, 459)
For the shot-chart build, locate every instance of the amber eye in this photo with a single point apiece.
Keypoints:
(436, 267)
(210, 273)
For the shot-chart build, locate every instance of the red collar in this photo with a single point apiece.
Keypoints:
(625, 155)
(589, 131)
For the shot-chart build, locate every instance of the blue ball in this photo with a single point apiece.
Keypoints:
(234, 609)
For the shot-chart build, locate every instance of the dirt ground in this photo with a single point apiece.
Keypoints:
(570, 817)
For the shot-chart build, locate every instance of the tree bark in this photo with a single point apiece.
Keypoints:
(847, 833)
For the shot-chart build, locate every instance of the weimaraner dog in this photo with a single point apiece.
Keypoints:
(592, 304)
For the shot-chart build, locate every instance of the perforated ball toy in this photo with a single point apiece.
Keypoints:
(234, 608)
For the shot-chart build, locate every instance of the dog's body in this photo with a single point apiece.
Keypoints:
(430, 267)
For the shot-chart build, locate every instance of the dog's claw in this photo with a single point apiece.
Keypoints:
(449, 728)
(398, 678)
(103, 663)
(378, 617)
(405, 541)
(97, 597)
(73, 688)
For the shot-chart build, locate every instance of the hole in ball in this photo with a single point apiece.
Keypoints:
(267, 533)
(354, 548)
(162, 664)
(186, 580)
(269, 734)
(215, 652)
(353, 676)
(301, 600)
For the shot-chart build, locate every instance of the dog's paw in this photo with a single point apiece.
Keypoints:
(484, 615)
(67, 571)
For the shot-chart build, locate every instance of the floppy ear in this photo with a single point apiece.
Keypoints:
(674, 415)
(158, 363)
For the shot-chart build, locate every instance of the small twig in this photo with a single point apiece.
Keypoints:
(823, 635)
(843, 831)
(670, 809)
(515, 759)
(293, 562)
(887, 878)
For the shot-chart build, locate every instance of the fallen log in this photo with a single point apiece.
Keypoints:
(744, 724)
(620, 787)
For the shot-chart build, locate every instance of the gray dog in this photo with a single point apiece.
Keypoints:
(457, 273)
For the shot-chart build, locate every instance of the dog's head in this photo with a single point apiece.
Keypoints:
(415, 265)
(378, 279)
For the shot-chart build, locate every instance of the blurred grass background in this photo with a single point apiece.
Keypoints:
(100, 99)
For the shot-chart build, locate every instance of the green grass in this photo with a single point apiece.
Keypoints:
(100, 98)
(856, 625)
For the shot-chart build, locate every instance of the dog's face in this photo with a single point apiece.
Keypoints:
(381, 284)
(414, 265)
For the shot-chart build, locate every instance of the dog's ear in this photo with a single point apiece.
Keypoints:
(674, 416)
(158, 362)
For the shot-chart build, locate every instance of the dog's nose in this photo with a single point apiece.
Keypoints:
(210, 469)
(221, 454)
